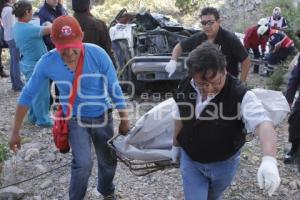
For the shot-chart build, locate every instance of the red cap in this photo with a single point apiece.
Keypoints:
(66, 33)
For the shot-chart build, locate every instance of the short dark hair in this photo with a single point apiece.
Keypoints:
(3, 3)
(210, 11)
(20, 8)
(206, 58)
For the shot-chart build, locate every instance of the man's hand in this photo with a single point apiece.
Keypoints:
(46, 23)
(171, 67)
(15, 142)
(277, 47)
(124, 127)
(267, 175)
(263, 54)
(175, 154)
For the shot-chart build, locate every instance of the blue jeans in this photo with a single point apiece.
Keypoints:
(80, 139)
(206, 181)
(15, 74)
(280, 55)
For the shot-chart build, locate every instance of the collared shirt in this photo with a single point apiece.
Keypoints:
(230, 46)
(252, 111)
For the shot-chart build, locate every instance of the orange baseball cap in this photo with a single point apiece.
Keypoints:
(66, 33)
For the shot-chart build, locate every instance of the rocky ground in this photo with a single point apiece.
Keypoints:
(38, 155)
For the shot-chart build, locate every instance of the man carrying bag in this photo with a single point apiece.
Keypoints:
(91, 117)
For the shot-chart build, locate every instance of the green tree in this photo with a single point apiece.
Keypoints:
(187, 6)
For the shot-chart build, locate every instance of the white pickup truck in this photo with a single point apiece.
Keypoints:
(143, 43)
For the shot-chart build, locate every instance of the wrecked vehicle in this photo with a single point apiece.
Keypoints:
(142, 44)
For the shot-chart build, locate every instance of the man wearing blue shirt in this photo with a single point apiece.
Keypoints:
(91, 117)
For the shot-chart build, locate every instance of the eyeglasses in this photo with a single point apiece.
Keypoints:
(208, 22)
(214, 84)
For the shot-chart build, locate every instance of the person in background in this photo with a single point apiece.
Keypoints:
(3, 74)
(95, 30)
(253, 41)
(29, 39)
(8, 20)
(48, 12)
(213, 109)
(92, 120)
(229, 44)
(277, 21)
(294, 118)
(281, 46)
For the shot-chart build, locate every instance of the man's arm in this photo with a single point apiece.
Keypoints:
(124, 126)
(268, 176)
(267, 137)
(171, 66)
(178, 127)
(47, 30)
(245, 65)
(177, 51)
(175, 151)
(15, 140)
(105, 41)
(256, 120)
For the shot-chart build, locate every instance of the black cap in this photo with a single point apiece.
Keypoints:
(81, 5)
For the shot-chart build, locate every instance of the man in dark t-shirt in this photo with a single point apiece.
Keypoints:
(95, 30)
(229, 44)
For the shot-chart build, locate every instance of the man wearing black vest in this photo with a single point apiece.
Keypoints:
(214, 109)
(229, 44)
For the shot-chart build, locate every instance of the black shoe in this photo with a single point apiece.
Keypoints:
(3, 74)
(110, 197)
(293, 156)
(255, 69)
(289, 158)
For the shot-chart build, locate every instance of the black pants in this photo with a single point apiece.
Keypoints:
(256, 55)
(294, 127)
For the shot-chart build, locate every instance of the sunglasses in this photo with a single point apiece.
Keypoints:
(208, 22)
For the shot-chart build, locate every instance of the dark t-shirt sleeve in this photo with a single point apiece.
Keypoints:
(192, 42)
(239, 51)
(293, 83)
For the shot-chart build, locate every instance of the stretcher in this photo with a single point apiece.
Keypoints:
(147, 147)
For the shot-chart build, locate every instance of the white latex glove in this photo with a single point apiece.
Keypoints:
(175, 154)
(171, 67)
(267, 175)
